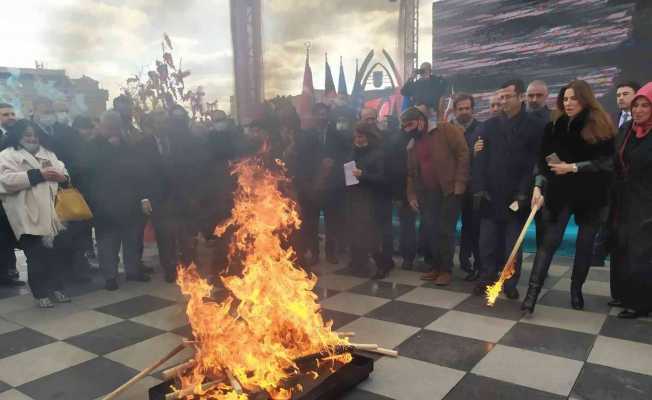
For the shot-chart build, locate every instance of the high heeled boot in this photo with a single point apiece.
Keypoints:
(577, 300)
(531, 297)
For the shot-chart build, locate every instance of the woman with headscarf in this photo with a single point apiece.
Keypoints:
(30, 175)
(574, 167)
(632, 212)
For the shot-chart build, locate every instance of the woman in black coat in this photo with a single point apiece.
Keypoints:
(362, 200)
(631, 260)
(574, 168)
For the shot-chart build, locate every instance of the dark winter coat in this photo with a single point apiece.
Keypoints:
(587, 190)
(632, 219)
(117, 182)
(425, 91)
(314, 181)
(396, 163)
(362, 199)
(503, 170)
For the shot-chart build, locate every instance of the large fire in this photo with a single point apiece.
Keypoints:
(271, 315)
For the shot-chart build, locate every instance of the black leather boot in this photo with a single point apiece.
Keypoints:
(577, 300)
(531, 297)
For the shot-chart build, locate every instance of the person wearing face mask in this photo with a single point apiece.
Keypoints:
(362, 200)
(631, 222)
(30, 175)
(575, 162)
(320, 184)
(118, 188)
(438, 172)
(502, 183)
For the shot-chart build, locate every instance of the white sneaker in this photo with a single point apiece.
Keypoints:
(44, 303)
(60, 297)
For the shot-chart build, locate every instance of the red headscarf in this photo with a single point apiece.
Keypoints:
(641, 130)
(644, 128)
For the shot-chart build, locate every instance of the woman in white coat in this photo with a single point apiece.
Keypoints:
(30, 175)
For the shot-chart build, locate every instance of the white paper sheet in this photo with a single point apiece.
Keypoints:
(348, 174)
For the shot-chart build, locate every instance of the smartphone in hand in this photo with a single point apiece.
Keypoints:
(553, 159)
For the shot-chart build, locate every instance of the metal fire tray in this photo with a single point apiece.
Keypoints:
(328, 386)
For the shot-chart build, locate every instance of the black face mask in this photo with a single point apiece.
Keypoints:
(414, 133)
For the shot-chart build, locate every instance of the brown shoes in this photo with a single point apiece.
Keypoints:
(430, 276)
(443, 279)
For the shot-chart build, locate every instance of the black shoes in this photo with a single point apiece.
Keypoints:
(577, 300)
(146, 270)
(472, 275)
(512, 293)
(480, 289)
(615, 303)
(141, 277)
(11, 282)
(632, 314)
(531, 297)
(407, 265)
(380, 274)
(111, 285)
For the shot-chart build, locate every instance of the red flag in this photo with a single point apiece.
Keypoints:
(306, 100)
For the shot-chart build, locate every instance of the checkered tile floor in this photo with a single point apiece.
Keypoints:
(452, 347)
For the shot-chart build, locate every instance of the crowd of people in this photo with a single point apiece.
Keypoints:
(429, 165)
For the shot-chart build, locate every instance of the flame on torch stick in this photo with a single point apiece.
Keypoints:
(493, 291)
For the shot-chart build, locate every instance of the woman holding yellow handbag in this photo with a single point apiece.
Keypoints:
(30, 175)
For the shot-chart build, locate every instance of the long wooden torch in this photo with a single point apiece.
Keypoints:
(493, 291)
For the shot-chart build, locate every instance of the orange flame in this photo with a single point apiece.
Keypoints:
(493, 291)
(271, 316)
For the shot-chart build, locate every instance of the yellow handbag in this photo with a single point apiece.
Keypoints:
(70, 205)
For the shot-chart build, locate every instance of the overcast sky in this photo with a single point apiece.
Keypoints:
(111, 40)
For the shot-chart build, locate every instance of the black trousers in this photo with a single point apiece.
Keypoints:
(42, 275)
(333, 206)
(110, 237)
(7, 246)
(440, 214)
(70, 247)
(497, 237)
(167, 238)
(470, 238)
(408, 238)
(555, 223)
(384, 212)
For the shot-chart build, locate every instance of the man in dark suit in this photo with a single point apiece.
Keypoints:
(8, 272)
(463, 106)
(502, 182)
(320, 184)
(625, 93)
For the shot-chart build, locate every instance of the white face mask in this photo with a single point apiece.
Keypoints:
(63, 118)
(32, 148)
(341, 126)
(47, 120)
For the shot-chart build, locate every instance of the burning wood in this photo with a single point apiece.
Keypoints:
(270, 316)
(178, 369)
(493, 291)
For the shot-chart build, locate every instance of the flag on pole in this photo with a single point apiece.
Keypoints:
(306, 100)
(341, 82)
(329, 85)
